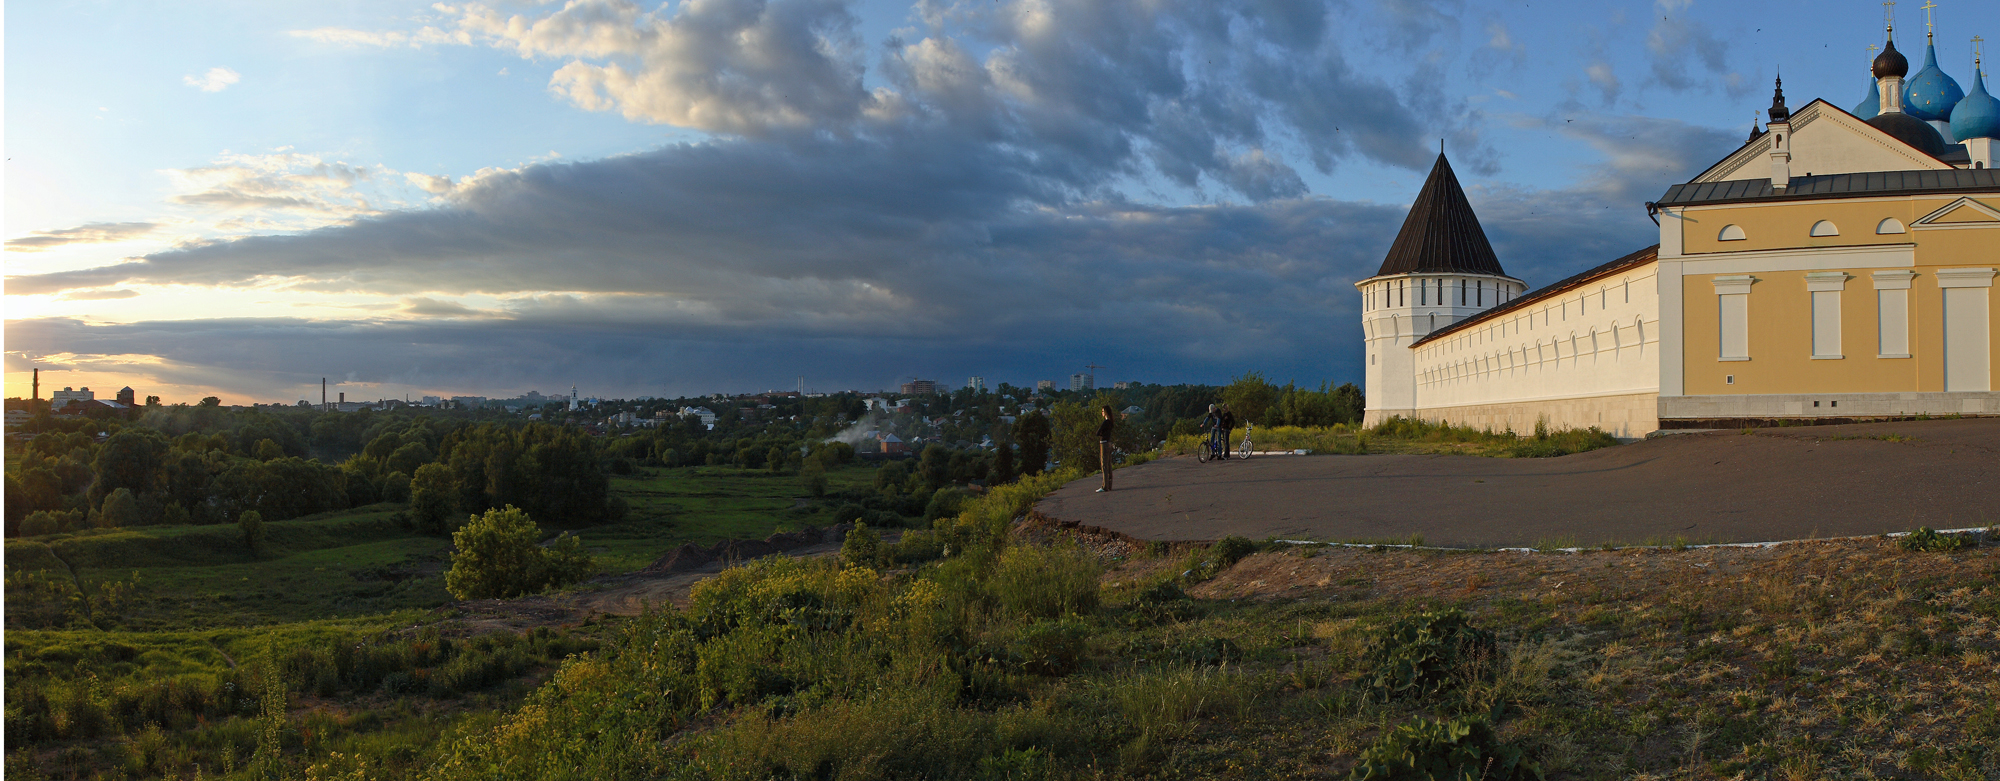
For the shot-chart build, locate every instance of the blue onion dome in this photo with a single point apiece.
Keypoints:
(1978, 115)
(1873, 105)
(1890, 62)
(1931, 94)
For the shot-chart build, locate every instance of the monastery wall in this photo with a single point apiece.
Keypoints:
(1585, 357)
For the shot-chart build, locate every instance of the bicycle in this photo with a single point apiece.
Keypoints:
(1212, 448)
(1243, 450)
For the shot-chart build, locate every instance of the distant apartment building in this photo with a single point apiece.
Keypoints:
(64, 397)
(1082, 381)
(920, 387)
(976, 383)
(1042, 385)
(706, 415)
(1121, 385)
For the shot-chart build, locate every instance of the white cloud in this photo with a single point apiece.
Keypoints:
(215, 80)
(424, 36)
(92, 233)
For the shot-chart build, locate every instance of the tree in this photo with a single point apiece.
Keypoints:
(1003, 466)
(251, 523)
(130, 459)
(1249, 396)
(934, 468)
(495, 557)
(268, 449)
(433, 498)
(1075, 436)
(119, 511)
(1031, 432)
(211, 401)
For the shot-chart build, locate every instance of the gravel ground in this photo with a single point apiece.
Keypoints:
(1770, 484)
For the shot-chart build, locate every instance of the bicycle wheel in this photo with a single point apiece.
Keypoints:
(1205, 452)
(1244, 450)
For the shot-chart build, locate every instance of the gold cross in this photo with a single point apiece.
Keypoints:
(1929, 20)
(1889, 14)
(1978, 48)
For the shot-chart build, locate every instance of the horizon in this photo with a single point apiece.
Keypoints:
(442, 200)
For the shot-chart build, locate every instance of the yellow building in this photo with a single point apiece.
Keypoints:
(1833, 267)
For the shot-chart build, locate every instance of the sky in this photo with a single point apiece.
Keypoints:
(720, 196)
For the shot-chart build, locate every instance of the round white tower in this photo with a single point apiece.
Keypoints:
(1440, 270)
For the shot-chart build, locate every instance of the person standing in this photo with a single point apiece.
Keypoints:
(1228, 427)
(1213, 423)
(1104, 445)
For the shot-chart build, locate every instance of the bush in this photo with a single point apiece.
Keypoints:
(496, 556)
(1424, 653)
(1927, 539)
(1458, 750)
(1052, 647)
(251, 523)
(1206, 564)
(1049, 582)
(862, 548)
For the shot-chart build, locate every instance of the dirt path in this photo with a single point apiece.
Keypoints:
(609, 595)
(1773, 484)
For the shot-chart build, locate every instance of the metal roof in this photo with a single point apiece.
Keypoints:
(1441, 234)
(1835, 186)
(1640, 258)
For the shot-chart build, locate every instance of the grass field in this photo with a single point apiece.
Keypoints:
(707, 504)
(141, 652)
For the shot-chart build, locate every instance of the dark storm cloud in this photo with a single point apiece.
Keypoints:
(963, 219)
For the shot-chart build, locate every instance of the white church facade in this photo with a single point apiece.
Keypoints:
(1836, 266)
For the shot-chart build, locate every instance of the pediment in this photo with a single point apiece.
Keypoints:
(1825, 140)
(1960, 212)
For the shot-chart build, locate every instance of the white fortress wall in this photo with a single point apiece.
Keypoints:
(1588, 356)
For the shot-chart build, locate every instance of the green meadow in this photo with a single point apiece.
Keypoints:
(147, 652)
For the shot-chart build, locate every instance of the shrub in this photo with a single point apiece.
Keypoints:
(1422, 654)
(1046, 582)
(1052, 647)
(1457, 750)
(1165, 600)
(251, 523)
(1928, 539)
(1206, 564)
(862, 548)
(496, 556)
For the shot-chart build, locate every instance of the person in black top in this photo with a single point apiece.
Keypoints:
(1213, 422)
(1104, 445)
(1228, 426)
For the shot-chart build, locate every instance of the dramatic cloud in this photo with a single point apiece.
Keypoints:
(1207, 94)
(609, 269)
(958, 200)
(1678, 44)
(91, 233)
(215, 80)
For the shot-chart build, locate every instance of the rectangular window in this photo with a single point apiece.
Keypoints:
(1892, 313)
(1423, 295)
(1733, 312)
(1825, 288)
(1826, 325)
(1968, 350)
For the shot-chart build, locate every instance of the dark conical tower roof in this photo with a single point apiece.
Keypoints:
(1441, 234)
